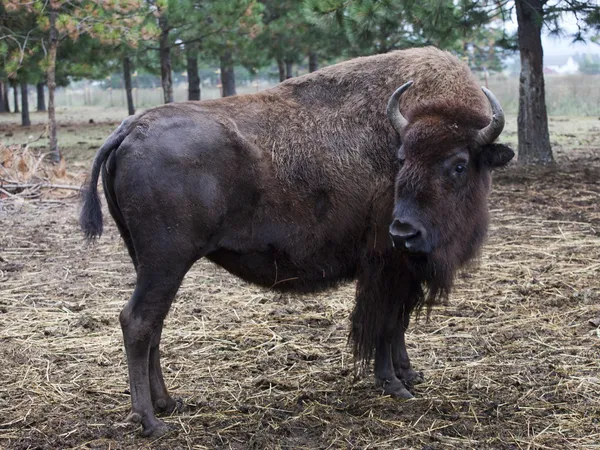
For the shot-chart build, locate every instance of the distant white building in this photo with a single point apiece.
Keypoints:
(560, 64)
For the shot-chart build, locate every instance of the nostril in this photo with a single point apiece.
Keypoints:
(404, 230)
(410, 235)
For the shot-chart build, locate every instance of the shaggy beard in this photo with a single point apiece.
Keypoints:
(390, 285)
(436, 278)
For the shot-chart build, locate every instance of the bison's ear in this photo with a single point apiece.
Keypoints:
(496, 155)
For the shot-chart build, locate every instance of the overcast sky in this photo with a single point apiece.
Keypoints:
(564, 46)
(560, 45)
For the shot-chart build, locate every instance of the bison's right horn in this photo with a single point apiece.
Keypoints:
(489, 134)
(398, 121)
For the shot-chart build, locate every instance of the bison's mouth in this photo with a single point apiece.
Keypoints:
(414, 247)
(419, 264)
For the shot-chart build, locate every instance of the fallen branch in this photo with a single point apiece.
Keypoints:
(39, 185)
(9, 194)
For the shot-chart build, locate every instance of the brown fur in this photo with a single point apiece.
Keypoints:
(294, 189)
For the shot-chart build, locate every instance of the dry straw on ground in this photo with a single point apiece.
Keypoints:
(26, 173)
(513, 362)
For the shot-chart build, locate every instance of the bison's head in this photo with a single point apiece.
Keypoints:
(446, 156)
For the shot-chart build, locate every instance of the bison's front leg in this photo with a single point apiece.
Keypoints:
(385, 376)
(393, 370)
(401, 362)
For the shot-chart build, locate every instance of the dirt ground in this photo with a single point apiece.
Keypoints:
(511, 362)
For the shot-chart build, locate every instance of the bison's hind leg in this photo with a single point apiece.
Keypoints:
(161, 400)
(159, 275)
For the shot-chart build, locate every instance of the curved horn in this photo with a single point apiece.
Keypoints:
(398, 121)
(489, 134)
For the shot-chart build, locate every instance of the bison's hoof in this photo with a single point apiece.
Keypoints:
(152, 427)
(394, 388)
(134, 417)
(397, 390)
(410, 377)
(155, 429)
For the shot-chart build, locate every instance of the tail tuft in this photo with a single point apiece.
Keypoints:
(90, 219)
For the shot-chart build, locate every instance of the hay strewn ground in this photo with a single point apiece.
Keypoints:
(512, 362)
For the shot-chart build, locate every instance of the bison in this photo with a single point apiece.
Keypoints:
(317, 181)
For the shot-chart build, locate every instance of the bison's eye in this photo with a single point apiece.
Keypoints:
(456, 166)
(460, 169)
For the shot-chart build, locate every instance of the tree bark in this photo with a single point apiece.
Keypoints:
(55, 155)
(288, 69)
(313, 61)
(281, 67)
(25, 120)
(166, 75)
(534, 138)
(41, 100)
(6, 103)
(192, 73)
(227, 74)
(14, 85)
(2, 104)
(127, 79)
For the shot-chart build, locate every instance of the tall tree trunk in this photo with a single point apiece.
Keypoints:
(25, 120)
(55, 155)
(313, 61)
(192, 73)
(227, 74)
(166, 75)
(15, 87)
(534, 139)
(6, 103)
(281, 67)
(2, 104)
(288, 68)
(41, 100)
(127, 79)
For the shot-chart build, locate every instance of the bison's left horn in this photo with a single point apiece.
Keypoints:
(398, 121)
(489, 134)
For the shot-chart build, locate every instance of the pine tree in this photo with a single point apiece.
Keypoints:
(532, 15)
(289, 37)
(32, 24)
(237, 24)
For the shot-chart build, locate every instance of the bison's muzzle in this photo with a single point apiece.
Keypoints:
(410, 235)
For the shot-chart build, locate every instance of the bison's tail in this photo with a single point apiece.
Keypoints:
(90, 219)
